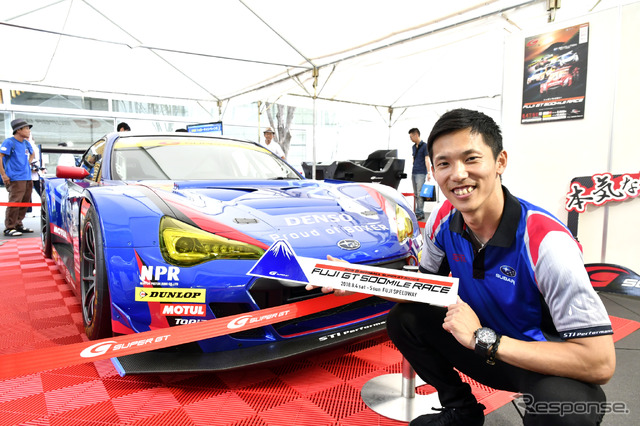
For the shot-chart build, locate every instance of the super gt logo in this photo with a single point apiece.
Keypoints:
(243, 320)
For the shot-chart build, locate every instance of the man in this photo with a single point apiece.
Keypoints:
(16, 155)
(421, 170)
(527, 318)
(270, 144)
(123, 127)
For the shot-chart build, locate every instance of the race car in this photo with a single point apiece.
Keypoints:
(159, 230)
(562, 77)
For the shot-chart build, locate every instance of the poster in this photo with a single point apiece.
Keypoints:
(555, 75)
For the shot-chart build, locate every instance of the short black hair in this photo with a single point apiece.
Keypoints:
(123, 126)
(476, 121)
(414, 130)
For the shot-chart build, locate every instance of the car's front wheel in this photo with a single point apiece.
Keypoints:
(45, 228)
(96, 306)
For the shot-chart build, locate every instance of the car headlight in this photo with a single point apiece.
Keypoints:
(404, 223)
(185, 245)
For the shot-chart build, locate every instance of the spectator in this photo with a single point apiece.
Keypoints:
(35, 170)
(270, 144)
(66, 159)
(16, 155)
(421, 170)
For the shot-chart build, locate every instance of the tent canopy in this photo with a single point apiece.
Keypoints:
(372, 52)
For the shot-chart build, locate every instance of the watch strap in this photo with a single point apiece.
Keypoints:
(491, 359)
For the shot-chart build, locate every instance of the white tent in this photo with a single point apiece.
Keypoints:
(388, 54)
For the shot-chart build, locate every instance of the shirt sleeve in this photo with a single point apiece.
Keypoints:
(432, 255)
(575, 307)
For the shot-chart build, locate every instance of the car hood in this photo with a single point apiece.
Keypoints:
(313, 216)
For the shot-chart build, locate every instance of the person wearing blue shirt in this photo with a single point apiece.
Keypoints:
(527, 318)
(420, 171)
(16, 156)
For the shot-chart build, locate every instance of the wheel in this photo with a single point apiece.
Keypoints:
(45, 228)
(94, 285)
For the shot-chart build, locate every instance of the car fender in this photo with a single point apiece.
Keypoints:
(127, 217)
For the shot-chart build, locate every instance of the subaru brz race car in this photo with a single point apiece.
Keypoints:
(156, 231)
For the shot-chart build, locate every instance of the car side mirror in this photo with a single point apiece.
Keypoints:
(68, 172)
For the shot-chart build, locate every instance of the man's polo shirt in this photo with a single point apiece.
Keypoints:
(528, 282)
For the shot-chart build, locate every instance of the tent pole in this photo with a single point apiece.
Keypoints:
(389, 132)
(259, 118)
(313, 142)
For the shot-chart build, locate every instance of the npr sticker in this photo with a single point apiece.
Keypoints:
(192, 295)
(280, 262)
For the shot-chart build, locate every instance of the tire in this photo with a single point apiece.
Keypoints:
(45, 228)
(94, 285)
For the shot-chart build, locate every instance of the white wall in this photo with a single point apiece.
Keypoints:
(544, 157)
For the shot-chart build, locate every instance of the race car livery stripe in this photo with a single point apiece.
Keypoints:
(164, 207)
(18, 364)
(205, 222)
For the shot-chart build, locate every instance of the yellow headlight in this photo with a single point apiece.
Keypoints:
(405, 224)
(185, 245)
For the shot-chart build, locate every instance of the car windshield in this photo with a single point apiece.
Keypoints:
(194, 158)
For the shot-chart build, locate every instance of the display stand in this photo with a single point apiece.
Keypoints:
(394, 395)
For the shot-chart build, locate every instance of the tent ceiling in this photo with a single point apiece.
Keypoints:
(402, 53)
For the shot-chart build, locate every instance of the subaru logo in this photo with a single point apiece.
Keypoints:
(508, 271)
(349, 244)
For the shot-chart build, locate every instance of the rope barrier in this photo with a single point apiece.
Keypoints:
(3, 204)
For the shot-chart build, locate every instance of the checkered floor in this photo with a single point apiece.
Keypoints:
(38, 310)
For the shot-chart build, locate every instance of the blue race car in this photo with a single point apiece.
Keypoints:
(155, 231)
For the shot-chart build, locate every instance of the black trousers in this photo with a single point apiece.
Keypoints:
(416, 330)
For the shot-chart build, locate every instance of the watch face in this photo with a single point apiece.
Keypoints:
(486, 336)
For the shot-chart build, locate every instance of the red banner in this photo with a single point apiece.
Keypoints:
(604, 189)
(19, 364)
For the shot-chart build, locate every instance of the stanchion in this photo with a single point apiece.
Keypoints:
(394, 395)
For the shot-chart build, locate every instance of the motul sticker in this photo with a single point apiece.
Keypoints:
(183, 310)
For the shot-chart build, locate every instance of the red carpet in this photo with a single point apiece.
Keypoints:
(38, 311)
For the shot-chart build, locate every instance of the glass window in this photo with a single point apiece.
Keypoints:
(191, 158)
(150, 108)
(58, 101)
(5, 126)
(50, 130)
(92, 160)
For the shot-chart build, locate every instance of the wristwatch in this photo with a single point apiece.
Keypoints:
(485, 339)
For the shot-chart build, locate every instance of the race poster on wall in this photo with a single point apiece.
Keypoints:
(555, 75)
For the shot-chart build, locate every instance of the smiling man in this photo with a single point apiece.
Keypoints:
(527, 319)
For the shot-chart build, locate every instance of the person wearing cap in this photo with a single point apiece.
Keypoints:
(16, 155)
(270, 144)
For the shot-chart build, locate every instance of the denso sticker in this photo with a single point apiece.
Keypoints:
(184, 310)
(144, 294)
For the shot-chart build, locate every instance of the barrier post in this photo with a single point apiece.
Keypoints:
(394, 395)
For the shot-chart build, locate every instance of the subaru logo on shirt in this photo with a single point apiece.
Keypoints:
(349, 244)
(508, 271)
